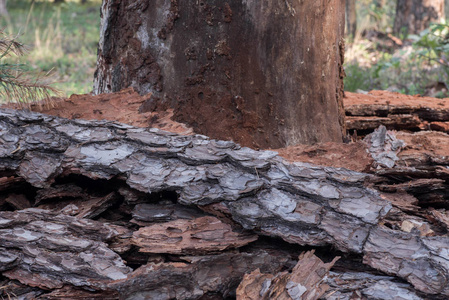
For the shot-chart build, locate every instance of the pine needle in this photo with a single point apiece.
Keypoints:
(17, 84)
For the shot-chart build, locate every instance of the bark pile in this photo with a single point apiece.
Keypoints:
(96, 209)
(364, 113)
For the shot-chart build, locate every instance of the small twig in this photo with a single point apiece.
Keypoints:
(257, 173)
(18, 148)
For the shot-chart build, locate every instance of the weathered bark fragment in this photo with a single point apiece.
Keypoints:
(89, 207)
(356, 285)
(270, 73)
(301, 203)
(304, 282)
(188, 237)
(195, 276)
(146, 214)
(398, 122)
(417, 169)
(48, 251)
(69, 292)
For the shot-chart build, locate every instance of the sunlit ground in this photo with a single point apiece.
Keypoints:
(60, 37)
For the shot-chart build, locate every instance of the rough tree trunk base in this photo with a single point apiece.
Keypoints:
(261, 74)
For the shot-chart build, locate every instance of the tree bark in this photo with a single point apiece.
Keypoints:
(262, 74)
(3, 10)
(400, 112)
(351, 18)
(129, 179)
(413, 16)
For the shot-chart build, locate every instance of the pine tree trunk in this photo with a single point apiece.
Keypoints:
(413, 16)
(263, 74)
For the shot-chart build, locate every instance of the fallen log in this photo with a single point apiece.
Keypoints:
(117, 167)
(366, 112)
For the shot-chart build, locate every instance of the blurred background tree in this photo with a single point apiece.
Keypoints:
(351, 18)
(413, 16)
(3, 10)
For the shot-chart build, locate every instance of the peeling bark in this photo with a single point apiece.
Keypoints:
(201, 235)
(196, 276)
(45, 250)
(150, 176)
(305, 282)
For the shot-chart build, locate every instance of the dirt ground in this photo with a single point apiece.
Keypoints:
(125, 107)
(122, 107)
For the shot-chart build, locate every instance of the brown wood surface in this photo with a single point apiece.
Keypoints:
(262, 74)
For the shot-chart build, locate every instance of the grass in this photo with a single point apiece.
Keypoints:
(61, 37)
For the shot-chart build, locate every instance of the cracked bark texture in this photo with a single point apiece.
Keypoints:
(271, 73)
(249, 192)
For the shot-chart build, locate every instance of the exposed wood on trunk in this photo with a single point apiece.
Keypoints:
(233, 60)
(257, 191)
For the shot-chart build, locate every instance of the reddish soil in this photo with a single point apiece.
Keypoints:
(351, 156)
(427, 143)
(124, 107)
(395, 100)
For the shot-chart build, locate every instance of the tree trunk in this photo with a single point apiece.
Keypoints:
(3, 10)
(413, 16)
(260, 73)
(351, 20)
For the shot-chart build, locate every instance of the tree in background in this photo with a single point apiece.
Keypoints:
(413, 16)
(272, 68)
(61, 1)
(351, 17)
(3, 10)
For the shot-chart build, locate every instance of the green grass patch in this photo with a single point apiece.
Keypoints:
(60, 37)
